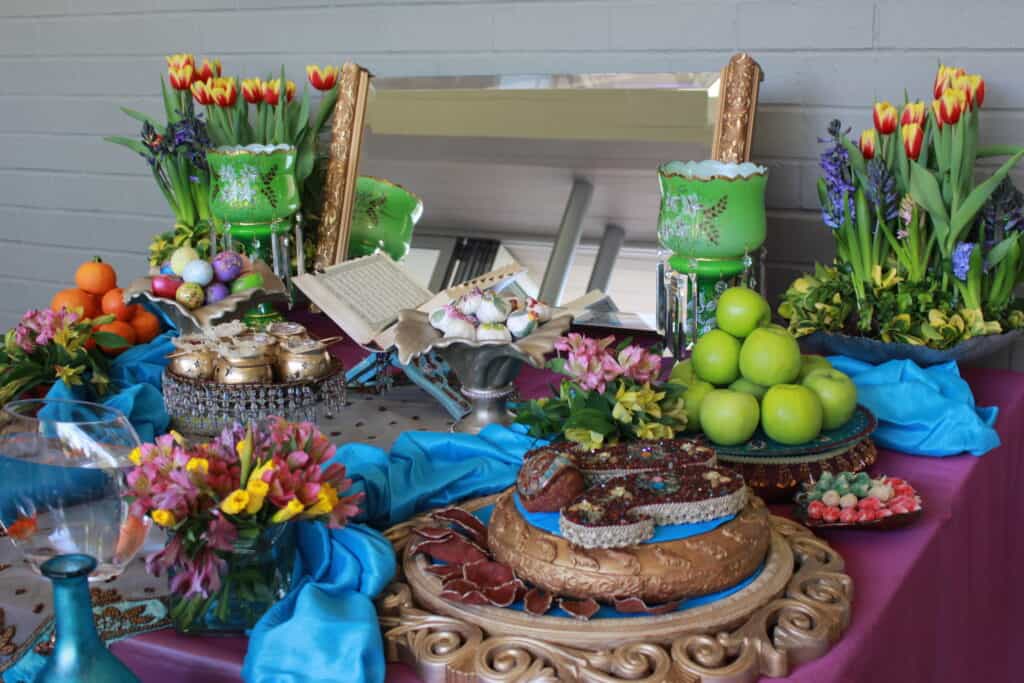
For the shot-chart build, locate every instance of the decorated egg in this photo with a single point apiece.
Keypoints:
(199, 272)
(181, 257)
(493, 332)
(216, 291)
(469, 302)
(190, 295)
(165, 286)
(247, 281)
(492, 308)
(521, 323)
(165, 269)
(227, 265)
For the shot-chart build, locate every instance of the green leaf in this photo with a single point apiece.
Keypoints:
(330, 99)
(924, 188)
(306, 157)
(1001, 250)
(997, 151)
(169, 103)
(970, 206)
(109, 340)
(142, 118)
(131, 143)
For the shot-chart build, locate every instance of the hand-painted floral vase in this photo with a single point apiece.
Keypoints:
(712, 215)
(255, 575)
(383, 218)
(253, 194)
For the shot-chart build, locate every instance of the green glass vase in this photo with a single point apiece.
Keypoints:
(383, 218)
(712, 215)
(253, 195)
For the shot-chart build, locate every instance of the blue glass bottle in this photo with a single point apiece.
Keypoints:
(79, 656)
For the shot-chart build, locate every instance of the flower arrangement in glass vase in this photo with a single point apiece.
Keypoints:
(226, 506)
(252, 111)
(609, 394)
(924, 255)
(47, 346)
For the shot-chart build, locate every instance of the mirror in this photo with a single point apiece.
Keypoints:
(525, 167)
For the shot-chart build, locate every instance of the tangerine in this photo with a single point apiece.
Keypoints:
(146, 326)
(121, 329)
(75, 299)
(96, 277)
(113, 304)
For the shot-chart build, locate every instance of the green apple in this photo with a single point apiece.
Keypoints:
(838, 395)
(729, 417)
(246, 282)
(770, 356)
(791, 414)
(745, 386)
(682, 373)
(692, 398)
(740, 311)
(809, 363)
(716, 357)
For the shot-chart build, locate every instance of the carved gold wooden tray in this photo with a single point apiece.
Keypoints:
(791, 613)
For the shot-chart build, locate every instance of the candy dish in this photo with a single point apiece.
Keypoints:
(856, 501)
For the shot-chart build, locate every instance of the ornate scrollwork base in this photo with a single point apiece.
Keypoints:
(789, 620)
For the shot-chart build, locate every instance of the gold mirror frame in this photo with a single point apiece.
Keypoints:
(734, 129)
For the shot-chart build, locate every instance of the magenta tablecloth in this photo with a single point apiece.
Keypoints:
(938, 601)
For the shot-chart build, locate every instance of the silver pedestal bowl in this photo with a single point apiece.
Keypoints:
(485, 369)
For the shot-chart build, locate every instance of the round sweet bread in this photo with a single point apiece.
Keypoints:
(548, 480)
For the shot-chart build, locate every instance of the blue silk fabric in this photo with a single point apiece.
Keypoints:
(325, 630)
(922, 411)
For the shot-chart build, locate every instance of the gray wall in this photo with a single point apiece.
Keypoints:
(65, 65)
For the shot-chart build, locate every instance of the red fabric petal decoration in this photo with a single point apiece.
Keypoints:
(472, 597)
(538, 601)
(433, 533)
(580, 609)
(506, 594)
(445, 571)
(487, 574)
(636, 605)
(454, 550)
(467, 521)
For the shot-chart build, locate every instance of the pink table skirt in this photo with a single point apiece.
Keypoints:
(938, 601)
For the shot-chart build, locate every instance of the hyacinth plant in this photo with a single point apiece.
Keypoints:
(608, 394)
(47, 346)
(924, 255)
(216, 496)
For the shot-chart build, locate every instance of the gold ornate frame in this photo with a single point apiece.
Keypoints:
(737, 109)
(792, 616)
(342, 165)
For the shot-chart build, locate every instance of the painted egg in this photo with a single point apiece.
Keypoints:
(190, 295)
(199, 272)
(215, 292)
(181, 257)
(165, 269)
(247, 281)
(227, 266)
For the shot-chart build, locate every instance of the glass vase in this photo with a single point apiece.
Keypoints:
(257, 573)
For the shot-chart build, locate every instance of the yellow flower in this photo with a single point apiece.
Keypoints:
(542, 401)
(647, 400)
(625, 404)
(236, 502)
(198, 465)
(244, 450)
(676, 411)
(325, 502)
(257, 490)
(257, 474)
(293, 508)
(586, 438)
(71, 376)
(136, 456)
(164, 518)
(178, 438)
(654, 430)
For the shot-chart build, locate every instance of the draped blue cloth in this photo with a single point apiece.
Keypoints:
(922, 411)
(325, 630)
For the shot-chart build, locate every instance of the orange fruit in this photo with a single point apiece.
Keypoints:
(96, 277)
(75, 299)
(146, 326)
(121, 329)
(113, 304)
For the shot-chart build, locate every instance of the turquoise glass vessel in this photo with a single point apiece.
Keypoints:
(79, 655)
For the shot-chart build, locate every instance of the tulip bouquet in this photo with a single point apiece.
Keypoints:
(924, 255)
(221, 500)
(608, 395)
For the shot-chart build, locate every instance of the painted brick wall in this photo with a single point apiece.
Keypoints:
(66, 64)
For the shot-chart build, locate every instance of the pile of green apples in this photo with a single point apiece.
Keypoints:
(750, 372)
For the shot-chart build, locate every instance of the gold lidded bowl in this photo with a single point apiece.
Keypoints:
(301, 359)
(243, 363)
(284, 330)
(192, 357)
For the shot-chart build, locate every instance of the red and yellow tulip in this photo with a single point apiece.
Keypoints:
(944, 79)
(201, 93)
(952, 105)
(913, 112)
(180, 60)
(322, 79)
(913, 139)
(180, 77)
(208, 69)
(290, 90)
(272, 91)
(886, 118)
(252, 90)
(973, 86)
(936, 114)
(224, 91)
(868, 141)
